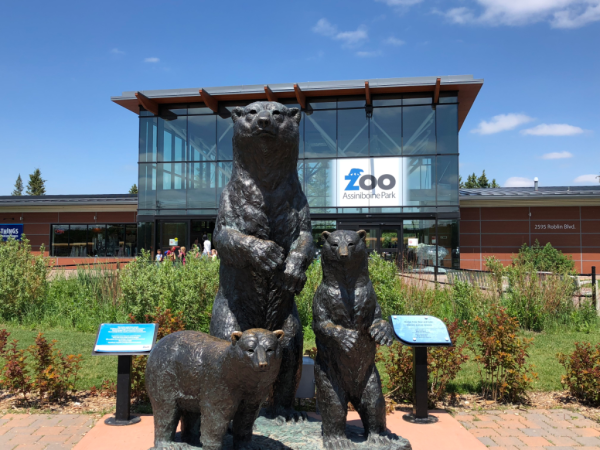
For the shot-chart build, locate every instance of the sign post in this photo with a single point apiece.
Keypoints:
(420, 332)
(124, 341)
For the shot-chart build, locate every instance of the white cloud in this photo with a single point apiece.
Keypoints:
(554, 129)
(394, 41)
(501, 122)
(152, 60)
(369, 54)
(557, 155)
(352, 37)
(559, 13)
(325, 28)
(587, 179)
(116, 51)
(399, 2)
(518, 182)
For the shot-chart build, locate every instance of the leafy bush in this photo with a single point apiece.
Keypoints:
(22, 279)
(583, 372)
(191, 288)
(502, 357)
(304, 299)
(443, 365)
(544, 259)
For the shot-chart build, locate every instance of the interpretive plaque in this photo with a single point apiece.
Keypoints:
(127, 339)
(421, 331)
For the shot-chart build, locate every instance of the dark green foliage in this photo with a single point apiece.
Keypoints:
(133, 189)
(544, 259)
(36, 185)
(18, 187)
(475, 182)
(583, 372)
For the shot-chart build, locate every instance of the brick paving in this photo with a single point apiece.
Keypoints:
(556, 429)
(43, 431)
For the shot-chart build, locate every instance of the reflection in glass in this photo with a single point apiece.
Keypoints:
(197, 109)
(419, 243)
(130, 240)
(320, 134)
(319, 178)
(202, 138)
(353, 133)
(448, 241)
(224, 138)
(321, 103)
(318, 226)
(202, 189)
(115, 240)
(97, 240)
(146, 236)
(60, 240)
(351, 102)
(447, 128)
(147, 186)
(223, 176)
(419, 181)
(371, 239)
(387, 100)
(148, 143)
(448, 97)
(172, 137)
(417, 99)
(389, 239)
(418, 130)
(171, 191)
(386, 131)
(447, 180)
(173, 234)
(300, 168)
(77, 241)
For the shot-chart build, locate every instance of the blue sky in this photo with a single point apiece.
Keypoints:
(538, 113)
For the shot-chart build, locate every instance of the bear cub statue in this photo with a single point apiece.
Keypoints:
(348, 325)
(207, 382)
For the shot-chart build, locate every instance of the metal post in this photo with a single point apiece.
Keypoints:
(420, 382)
(122, 414)
(594, 289)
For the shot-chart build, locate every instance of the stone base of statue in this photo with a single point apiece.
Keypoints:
(269, 435)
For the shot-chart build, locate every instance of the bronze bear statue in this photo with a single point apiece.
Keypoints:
(207, 382)
(263, 235)
(348, 326)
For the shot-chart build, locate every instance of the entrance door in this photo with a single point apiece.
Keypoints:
(383, 239)
(172, 234)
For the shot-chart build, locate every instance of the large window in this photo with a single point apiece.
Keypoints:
(95, 240)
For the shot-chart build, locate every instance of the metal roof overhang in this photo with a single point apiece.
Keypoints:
(516, 201)
(466, 85)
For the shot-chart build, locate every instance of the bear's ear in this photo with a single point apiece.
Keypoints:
(237, 113)
(362, 234)
(235, 336)
(325, 235)
(294, 113)
(279, 334)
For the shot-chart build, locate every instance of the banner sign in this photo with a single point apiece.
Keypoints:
(369, 182)
(126, 338)
(14, 230)
(421, 331)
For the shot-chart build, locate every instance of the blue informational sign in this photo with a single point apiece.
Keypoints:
(421, 331)
(125, 338)
(14, 230)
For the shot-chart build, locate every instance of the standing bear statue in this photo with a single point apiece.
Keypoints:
(264, 239)
(348, 326)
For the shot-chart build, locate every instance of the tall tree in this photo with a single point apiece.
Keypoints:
(36, 185)
(475, 182)
(134, 189)
(18, 186)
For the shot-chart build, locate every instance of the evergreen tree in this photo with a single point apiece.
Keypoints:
(483, 181)
(134, 189)
(36, 184)
(494, 184)
(475, 182)
(18, 186)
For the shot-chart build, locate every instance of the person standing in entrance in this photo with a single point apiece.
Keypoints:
(207, 246)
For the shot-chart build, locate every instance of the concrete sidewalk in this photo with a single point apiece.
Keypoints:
(43, 431)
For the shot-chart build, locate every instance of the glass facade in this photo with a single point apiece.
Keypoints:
(185, 155)
(97, 240)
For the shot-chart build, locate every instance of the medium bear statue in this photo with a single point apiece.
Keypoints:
(207, 382)
(263, 235)
(348, 325)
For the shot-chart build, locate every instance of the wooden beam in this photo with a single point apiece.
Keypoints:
(209, 100)
(270, 94)
(300, 96)
(368, 93)
(436, 91)
(147, 103)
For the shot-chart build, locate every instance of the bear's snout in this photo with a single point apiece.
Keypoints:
(261, 357)
(264, 119)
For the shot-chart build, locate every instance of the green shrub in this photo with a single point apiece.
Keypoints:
(22, 279)
(544, 259)
(583, 372)
(304, 299)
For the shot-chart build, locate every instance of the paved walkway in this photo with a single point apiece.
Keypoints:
(556, 429)
(43, 431)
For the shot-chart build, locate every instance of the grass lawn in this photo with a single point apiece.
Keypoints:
(94, 369)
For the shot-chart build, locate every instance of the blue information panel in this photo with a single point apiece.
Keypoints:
(421, 331)
(125, 338)
(14, 230)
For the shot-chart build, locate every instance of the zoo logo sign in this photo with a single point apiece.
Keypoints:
(368, 182)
